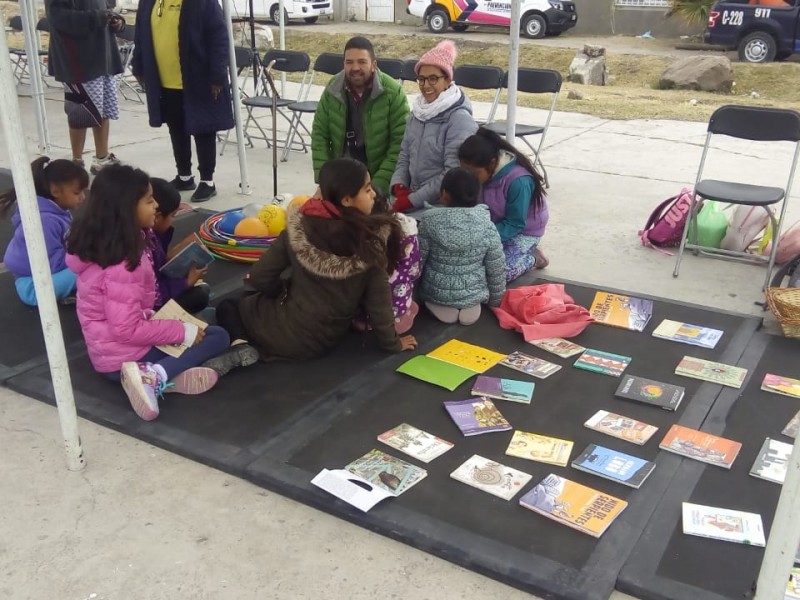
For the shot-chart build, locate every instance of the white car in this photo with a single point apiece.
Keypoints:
(308, 10)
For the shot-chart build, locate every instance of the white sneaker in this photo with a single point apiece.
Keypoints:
(99, 163)
(143, 385)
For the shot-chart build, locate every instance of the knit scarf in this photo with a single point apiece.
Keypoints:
(425, 111)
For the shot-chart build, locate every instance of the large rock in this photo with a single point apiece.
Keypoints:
(589, 66)
(706, 73)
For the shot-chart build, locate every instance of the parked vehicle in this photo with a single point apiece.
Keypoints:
(539, 17)
(760, 30)
(308, 10)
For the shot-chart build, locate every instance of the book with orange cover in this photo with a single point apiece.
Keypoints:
(574, 505)
(701, 446)
(621, 311)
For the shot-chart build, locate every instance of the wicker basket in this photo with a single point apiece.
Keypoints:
(785, 305)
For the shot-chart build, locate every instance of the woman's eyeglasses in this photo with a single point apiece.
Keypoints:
(431, 79)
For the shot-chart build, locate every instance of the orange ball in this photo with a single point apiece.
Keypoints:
(299, 200)
(251, 227)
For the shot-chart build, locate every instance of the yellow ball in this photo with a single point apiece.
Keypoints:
(299, 200)
(274, 218)
(251, 227)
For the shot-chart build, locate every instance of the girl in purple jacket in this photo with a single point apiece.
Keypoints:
(60, 186)
(108, 251)
(513, 191)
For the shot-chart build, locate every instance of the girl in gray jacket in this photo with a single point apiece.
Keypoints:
(462, 255)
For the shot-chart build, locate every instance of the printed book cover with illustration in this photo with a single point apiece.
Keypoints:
(573, 504)
(385, 471)
(621, 311)
(195, 253)
(531, 365)
(558, 346)
(648, 391)
(605, 363)
(781, 385)
(417, 443)
(503, 389)
(621, 427)
(714, 372)
(772, 460)
(540, 448)
(491, 477)
(616, 466)
(701, 446)
(476, 416)
(792, 426)
(705, 337)
(723, 524)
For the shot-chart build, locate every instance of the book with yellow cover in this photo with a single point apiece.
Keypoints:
(617, 310)
(573, 505)
(173, 311)
(540, 448)
(785, 386)
(468, 356)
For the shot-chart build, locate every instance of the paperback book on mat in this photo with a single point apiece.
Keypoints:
(648, 391)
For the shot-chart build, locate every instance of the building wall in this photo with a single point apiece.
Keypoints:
(602, 17)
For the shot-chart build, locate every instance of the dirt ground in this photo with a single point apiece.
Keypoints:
(635, 66)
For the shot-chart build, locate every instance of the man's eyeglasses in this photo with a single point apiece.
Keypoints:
(431, 79)
(160, 9)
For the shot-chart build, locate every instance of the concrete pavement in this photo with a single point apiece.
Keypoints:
(139, 522)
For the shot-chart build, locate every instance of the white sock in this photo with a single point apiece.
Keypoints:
(184, 177)
(208, 183)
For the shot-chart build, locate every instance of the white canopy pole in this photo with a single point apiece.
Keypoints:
(513, 65)
(40, 266)
(244, 183)
(27, 10)
(282, 41)
(784, 536)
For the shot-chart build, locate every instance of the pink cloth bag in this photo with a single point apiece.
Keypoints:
(542, 311)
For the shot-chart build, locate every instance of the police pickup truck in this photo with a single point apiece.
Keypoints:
(760, 30)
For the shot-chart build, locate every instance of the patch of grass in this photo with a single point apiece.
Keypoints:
(632, 93)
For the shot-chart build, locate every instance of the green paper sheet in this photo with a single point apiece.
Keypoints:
(436, 371)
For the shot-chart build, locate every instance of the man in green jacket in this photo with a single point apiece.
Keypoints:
(362, 114)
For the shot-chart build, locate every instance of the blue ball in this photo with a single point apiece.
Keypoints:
(229, 222)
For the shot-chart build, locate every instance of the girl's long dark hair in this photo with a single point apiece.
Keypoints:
(107, 230)
(362, 235)
(480, 149)
(45, 173)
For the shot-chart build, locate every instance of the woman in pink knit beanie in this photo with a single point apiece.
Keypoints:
(441, 119)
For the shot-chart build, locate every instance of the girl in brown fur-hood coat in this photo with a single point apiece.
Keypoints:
(329, 263)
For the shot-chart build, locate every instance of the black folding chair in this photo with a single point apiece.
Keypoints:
(481, 77)
(393, 67)
(533, 81)
(328, 63)
(285, 61)
(745, 123)
(19, 56)
(407, 73)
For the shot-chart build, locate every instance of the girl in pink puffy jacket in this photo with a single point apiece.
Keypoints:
(108, 251)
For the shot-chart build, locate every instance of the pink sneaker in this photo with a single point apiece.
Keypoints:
(196, 380)
(143, 385)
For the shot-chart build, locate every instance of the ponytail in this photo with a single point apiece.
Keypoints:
(45, 173)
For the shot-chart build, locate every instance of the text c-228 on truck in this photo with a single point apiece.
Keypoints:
(760, 30)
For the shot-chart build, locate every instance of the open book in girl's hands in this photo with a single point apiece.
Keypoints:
(173, 311)
(194, 253)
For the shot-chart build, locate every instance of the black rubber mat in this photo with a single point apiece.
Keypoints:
(21, 323)
(666, 564)
(472, 528)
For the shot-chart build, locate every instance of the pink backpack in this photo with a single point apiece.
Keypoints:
(788, 245)
(664, 227)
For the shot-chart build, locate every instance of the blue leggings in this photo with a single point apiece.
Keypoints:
(518, 251)
(214, 343)
(64, 284)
